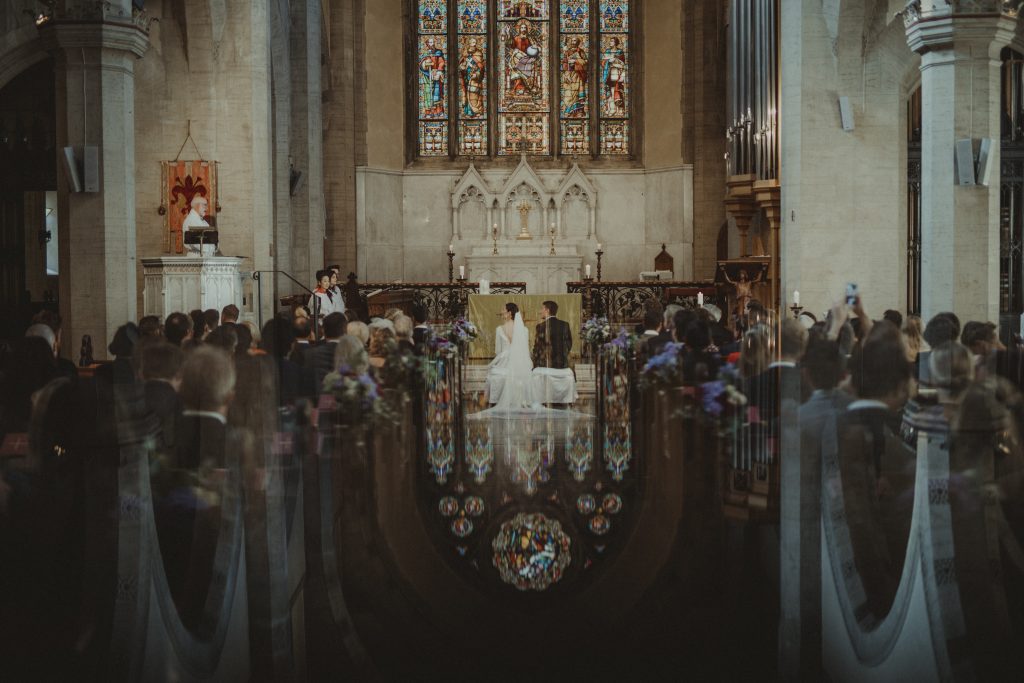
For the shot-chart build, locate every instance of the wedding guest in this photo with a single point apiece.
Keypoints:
(942, 328)
(983, 342)
(403, 333)
(254, 332)
(150, 326)
(304, 339)
(382, 342)
(360, 331)
(178, 328)
(895, 317)
(421, 332)
(319, 358)
(229, 314)
(224, 338)
(913, 338)
(199, 326)
(350, 355)
(278, 341)
(754, 353)
(29, 367)
(680, 323)
(158, 366)
(699, 365)
(245, 342)
(65, 368)
(212, 316)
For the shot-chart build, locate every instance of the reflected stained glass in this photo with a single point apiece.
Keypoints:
(528, 9)
(614, 15)
(574, 16)
(615, 137)
(472, 16)
(523, 133)
(574, 75)
(433, 138)
(433, 76)
(614, 80)
(433, 16)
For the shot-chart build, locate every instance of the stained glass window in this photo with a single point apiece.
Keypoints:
(535, 77)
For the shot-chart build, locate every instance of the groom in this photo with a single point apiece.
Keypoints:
(553, 340)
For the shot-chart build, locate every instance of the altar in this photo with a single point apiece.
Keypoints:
(532, 263)
(185, 283)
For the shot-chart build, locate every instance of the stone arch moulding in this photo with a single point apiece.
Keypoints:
(19, 49)
(576, 186)
(471, 187)
(524, 175)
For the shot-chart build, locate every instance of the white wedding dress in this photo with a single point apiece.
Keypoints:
(510, 375)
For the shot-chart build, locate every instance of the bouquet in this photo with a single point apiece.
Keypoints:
(596, 331)
(461, 332)
(621, 347)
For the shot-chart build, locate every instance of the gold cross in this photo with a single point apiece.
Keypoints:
(524, 219)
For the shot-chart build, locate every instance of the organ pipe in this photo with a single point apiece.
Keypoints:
(753, 89)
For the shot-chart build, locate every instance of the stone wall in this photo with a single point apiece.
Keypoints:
(844, 193)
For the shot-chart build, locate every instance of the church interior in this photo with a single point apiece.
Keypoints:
(511, 340)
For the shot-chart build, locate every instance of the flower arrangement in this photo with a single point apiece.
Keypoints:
(596, 331)
(357, 396)
(401, 370)
(461, 332)
(621, 347)
(665, 369)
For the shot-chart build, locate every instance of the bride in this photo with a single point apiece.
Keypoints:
(510, 376)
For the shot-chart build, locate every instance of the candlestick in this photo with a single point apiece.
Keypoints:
(451, 263)
(552, 233)
(451, 248)
(599, 246)
(494, 235)
(797, 310)
(599, 253)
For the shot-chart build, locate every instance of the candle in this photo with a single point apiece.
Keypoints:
(599, 246)
(451, 248)
(700, 298)
(462, 272)
(586, 270)
(796, 297)
(495, 227)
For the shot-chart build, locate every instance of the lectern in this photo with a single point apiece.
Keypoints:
(185, 283)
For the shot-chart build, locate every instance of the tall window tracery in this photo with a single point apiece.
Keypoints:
(497, 78)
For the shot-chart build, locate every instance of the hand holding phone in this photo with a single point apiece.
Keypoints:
(852, 294)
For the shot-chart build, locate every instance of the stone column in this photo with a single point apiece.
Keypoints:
(739, 203)
(768, 194)
(95, 48)
(960, 87)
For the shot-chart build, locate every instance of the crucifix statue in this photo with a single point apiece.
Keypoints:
(524, 221)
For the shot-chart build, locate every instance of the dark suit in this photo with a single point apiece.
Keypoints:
(420, 335)
(552, 344)
(163, 401)
(319, 359)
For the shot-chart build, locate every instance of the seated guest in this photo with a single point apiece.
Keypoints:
(942, 328)
(178, 328)
(224, 338)
(122, 348)
(29, 367)
(680, 323)
(350, 356)
(149, 326)
(382, 342)
(245, 342)
(278, 342)
(421, 332)
(319, 358)
(229, 314)
(65, 368)
(699, 365)
(200, 328)
(649, 343)
(158, 365)
(212, 316)
(304, 339)
(254, 334)
(403, 333)
(360, 331)
(665, 329)
(983, 342)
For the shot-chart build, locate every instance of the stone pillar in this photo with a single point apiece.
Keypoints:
(95, 51)
(960, 87)
(740, 204)
(768, 195)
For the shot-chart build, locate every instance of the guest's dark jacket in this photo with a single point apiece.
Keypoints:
(420, 336)
(656, 345)
(552, 344)
(163, 402)
(319, 359)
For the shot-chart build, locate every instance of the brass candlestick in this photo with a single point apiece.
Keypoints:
(552, 233)
(494, 235)
(599, 253)
(451, 265)
(797, 310)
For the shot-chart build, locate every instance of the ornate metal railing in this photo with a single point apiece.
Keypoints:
(443, 300)
(623, 302)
